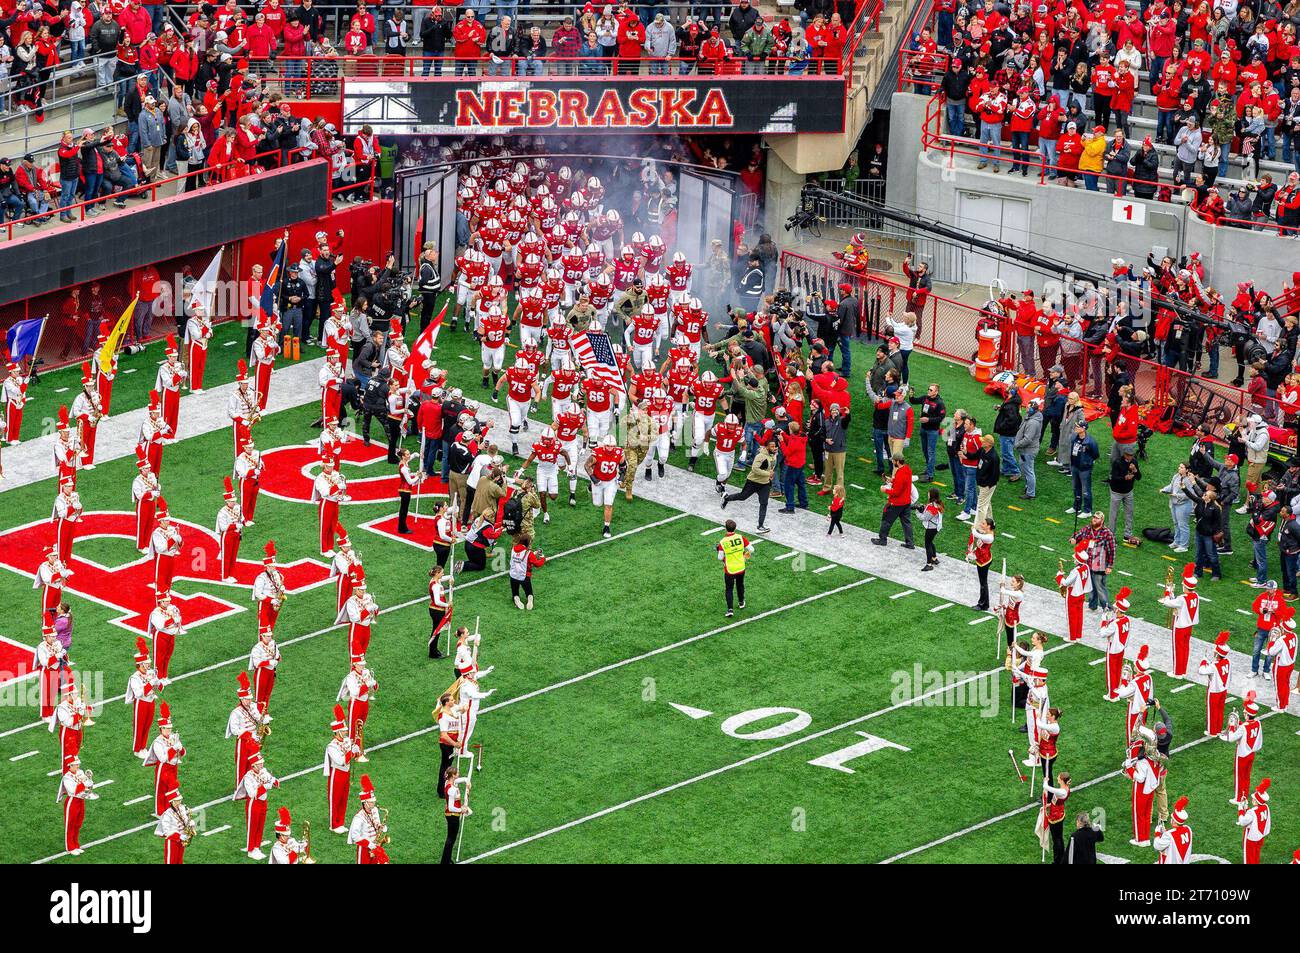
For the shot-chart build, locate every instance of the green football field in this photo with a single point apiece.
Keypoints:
(839, 717)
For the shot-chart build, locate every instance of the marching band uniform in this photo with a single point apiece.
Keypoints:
(253, 788)
(360, 611)
(449, 724)
(248, 471)
(331, 386)
(67, 453)
(242, 725)
(141, 695)
(164, 547)
(14, 393)
(1115, 631)
(331, 440)
(357, 689)
(1282, 648)
(1145, 775)
(470, 696)
(286, 849)
(1249, 738)
(68, 718)
(1174, 846)
(1187, 613)
(456, 810)
(241, 407)
(339, 754)
(1052, 815)
(145, 492)
(171, 375)
(50, 660)
(154, 432)
(344, 561)
(87, 409)
(230, 530)
(1077, 584)
(466, 658)
(263, 661)
(51, 577)
(164, 755)
(198, 335)
(268, 590)
(328, 490)
(1216, 689)
(164, 625)
(263, 358)
(65, 517)
(1139, 691)
(368, 830)
(440, 610)
(1257, 821)
(75, 789)
(173, 827)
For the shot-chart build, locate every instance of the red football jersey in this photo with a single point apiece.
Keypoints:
(605, 463)
(493, 330)
(726, 436)
(568, 425)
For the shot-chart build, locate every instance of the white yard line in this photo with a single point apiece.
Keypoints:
(786, 555)
(983, 618)
(827, 568)
(137, 800)
(905, 592)
(315, 768)
(943, 605)
(710, 532)
(1098, 660)
(216, 830)
(20, 757)
(1182, 688)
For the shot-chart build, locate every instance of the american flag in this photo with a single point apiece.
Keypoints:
(596, 355)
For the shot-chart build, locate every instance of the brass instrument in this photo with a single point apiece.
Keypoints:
(307, 858)
(384, 837)
(1234, 720)
(1060, 568)
(251, 410)
(189, 830)
(1126, 671)
(361, 742)
(1169, 591)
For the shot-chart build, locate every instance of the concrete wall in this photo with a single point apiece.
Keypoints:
(1234, 254)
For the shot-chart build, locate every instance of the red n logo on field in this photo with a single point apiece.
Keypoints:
(289, 472)
(127, 587)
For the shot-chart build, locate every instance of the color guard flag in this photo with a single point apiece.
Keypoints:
(596, 355)
(205, 289)
(271, 285)
(24, 338)
(113, 343)
(423, 348)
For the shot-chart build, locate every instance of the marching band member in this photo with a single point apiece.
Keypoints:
(408, 481)
(1115, 631)
(248, 724)
(230, 530)
(1075, 586)
(1139, 691)
(440, 608)
(357, 689)
(51, 661)
(1052, 813)
(67, 454)
(262, 356)
(51, 578)
(332, 438)
(14, 393)
(328, 490)
(198, 335)
(175, 826)
(466, 662)
(1174, 846)
(154, 433)
(268, 589)
(1282, 649)
(164, 546)
(1186, 614)
(104, 379)
(368, 831)
(447, 717)
(1145, 775)
(1042, 751)
(345, 559)
(142, 695)
(1257, 821)
(241, 407)
(248, 471)
(253, 788)
(1269, 608)
(171, 375)
(286, 849)
(145, 493)
(397, 354)
(164, 755)
(340, 752)
(70, 721)
(65, 517)
(457, 809)
(360, 610)
(1216, 689)
(88, 411)
(75, 789)
(1248, 736)
(263, 661)
(1011, 597)
(331, 379)
(164, 625)
(468, 694)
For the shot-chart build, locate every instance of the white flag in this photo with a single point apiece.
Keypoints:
(205, 288)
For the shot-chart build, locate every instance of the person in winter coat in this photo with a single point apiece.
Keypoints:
(1117, 160)
(1092, 158)
(1072, 417)
(1144, 170)
(469, 38)
(566, 42)
(1069, 149)
(1006, 425)
(1028, 439)
(435, 31)
(660, 45)
(757, 46)
(742, 20)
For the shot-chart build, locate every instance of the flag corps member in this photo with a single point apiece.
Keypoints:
(329, 490)
(1257, 821)
(368, 832)
(175, 827)
(1186, 613)
(1248, 736)
(1174, 846)
(145, 493)
(339, 754)
(14, 392)
(1216, 688)
(164, 756)
(440, 608)
(75, 789)
(198, 335)
(1115, 630)
(253, 789)
(1075, 586)
(230, 530)
(171, 375)
(104, 378)
(88, 410)
(268, 589)
(142, 696)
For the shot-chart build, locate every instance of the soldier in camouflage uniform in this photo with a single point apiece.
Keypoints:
(641, 432)
(531, 503)
(581, 314)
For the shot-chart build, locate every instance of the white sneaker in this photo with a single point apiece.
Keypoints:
(256, 854)
(1268, 676)
(1251, 677)
(546, 517)
(1242, 510)
(519, 603)
(529, 604)
(75, 852)
(338, 830)
(1069, 511)
(964, 516)
(1029, 763)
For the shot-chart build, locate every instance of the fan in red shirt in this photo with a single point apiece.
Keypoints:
(898, 493)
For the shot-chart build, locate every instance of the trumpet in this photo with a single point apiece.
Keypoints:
(1234, 720)
(361, 742)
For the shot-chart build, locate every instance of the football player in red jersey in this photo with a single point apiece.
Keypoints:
(660, 409)
(570, 425)
(678, 382)
(707, 391)
(530, 314)
(679, 278)
(521, 390)
(561, 385)
(492, 331)
(726, 436)
(548, 452)
(605, 467)
(601, 295)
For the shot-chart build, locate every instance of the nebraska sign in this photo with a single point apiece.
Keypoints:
(700, 104)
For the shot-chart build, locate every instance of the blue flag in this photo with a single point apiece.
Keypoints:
(274, 277)
(24, 337)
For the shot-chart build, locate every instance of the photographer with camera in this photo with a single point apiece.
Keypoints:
(1228, 477)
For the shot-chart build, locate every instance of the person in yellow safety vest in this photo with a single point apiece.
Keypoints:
(734, 551)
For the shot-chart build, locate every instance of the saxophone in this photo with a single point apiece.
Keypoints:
(189, 830)
(251, 410)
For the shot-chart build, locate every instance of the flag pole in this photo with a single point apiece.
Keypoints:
(40, 336)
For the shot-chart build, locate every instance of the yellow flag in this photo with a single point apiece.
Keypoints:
(114, 340)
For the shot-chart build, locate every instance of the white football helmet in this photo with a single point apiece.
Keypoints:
(613, 217)
(696, 304)
(548, 433)
(607, 440)
(708, 377)
(731, 419)
(656, 241)
(679, 257)
(638, 238)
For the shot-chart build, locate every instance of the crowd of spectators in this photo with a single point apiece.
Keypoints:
(1058, 82)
